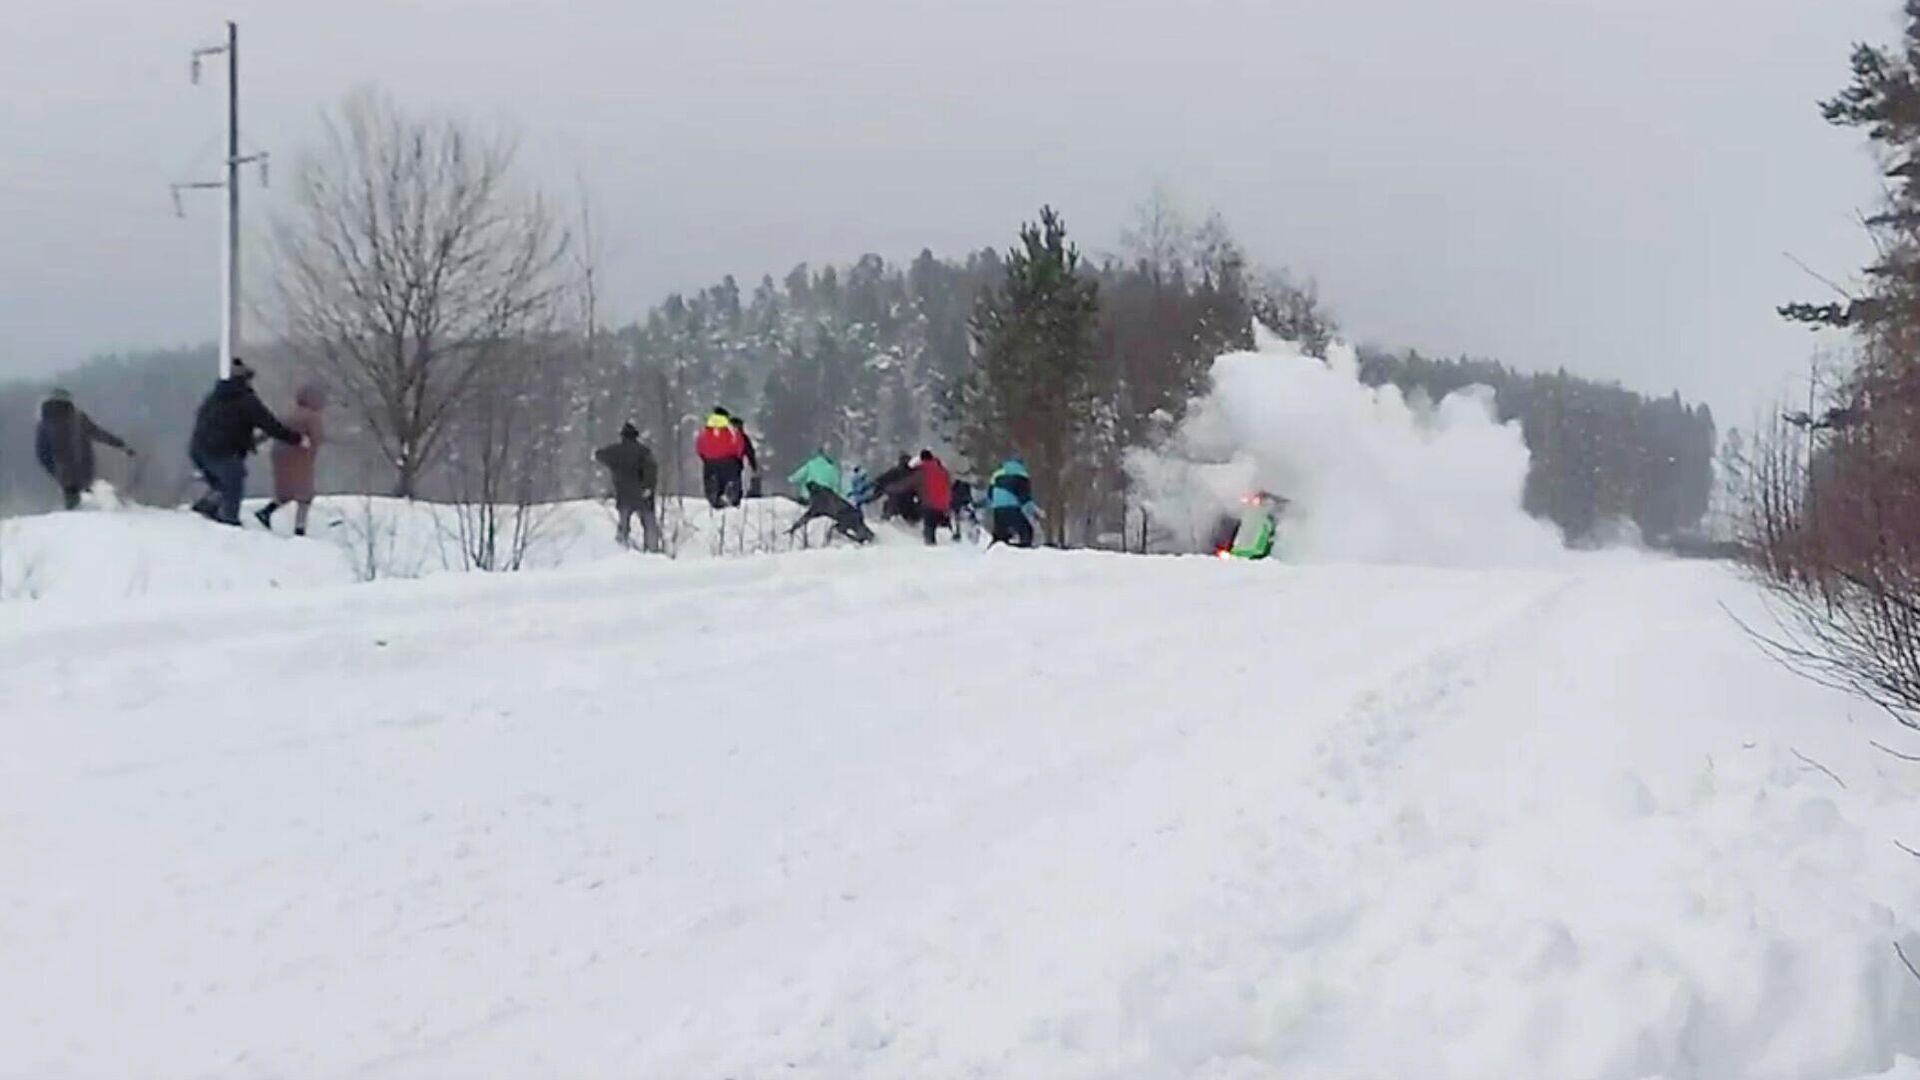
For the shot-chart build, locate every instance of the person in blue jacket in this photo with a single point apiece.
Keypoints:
(860, 487)
(1010, 498)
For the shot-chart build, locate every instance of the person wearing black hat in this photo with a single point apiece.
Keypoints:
(223, 436)
(63, 443)
(636, 477)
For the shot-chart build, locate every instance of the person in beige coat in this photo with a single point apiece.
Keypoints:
(293, 465)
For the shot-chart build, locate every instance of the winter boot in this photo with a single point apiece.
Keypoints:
(264, 516)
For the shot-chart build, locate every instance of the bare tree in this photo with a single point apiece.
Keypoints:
(1831, 524)
(503, 456)
(1160, 238)
(410, 263)
(586, 256)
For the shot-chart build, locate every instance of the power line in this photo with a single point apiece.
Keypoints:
(230, 183)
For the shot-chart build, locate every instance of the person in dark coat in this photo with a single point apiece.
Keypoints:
(636, 477)
(746, 454)
(899, 492)
(294, 466)
(934, 487)
(963, 508)
(223, 437)
(63, 443)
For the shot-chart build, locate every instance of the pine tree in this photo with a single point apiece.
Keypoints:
(1883, 98)
(1032, 387)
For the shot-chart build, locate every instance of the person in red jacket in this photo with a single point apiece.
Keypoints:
(935, 487)
(722, 450)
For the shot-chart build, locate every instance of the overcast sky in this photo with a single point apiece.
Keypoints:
(1605, 185)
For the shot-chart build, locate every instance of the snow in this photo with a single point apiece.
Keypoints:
(88, 558)
(1434, 798)
(897, 812)
(1372, 476)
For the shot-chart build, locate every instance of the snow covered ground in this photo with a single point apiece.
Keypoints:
(900, 813)
(110, 556)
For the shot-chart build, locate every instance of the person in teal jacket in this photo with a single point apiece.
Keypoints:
(818, 482)
(1010, 500)
(821, 470)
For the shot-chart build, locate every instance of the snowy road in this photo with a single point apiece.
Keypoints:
(900, 813)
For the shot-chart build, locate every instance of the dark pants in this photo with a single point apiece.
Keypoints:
(721, 481)
(300, 513)
(847, 519)
(905, 506)
(649, 523)
(931, 522)
(226, 479)
(1010, 526)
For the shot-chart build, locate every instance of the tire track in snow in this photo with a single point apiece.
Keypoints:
(1289, 872)
(1219, 767)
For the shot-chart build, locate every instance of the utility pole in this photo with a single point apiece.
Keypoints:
(230, 219)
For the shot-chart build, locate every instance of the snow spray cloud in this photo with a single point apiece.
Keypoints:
(1372, 475)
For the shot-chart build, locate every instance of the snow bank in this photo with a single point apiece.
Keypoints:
(393, 538)
(1373, 477)
(109, 556)
(114, 552)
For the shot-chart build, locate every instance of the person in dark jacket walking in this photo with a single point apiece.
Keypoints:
(934, 487)
(636, 477)
(223, 437)
(63, 443)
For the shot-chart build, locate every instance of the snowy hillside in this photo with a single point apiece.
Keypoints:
(897, 813)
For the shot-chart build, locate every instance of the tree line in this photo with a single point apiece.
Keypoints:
(1601, 455)
(454, 313)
